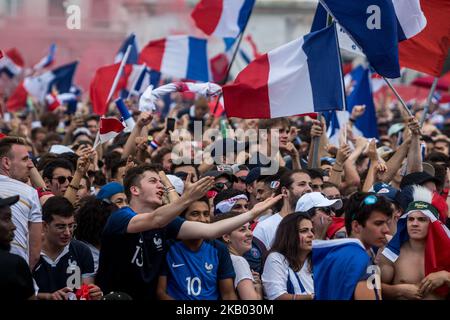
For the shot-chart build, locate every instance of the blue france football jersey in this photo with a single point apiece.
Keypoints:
(195, 275)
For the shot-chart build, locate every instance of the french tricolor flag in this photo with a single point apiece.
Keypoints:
(222, 18)
(182, 57)
(59, 79)
(109, 129)
(303, 76)
(47, 60)
(12, 63)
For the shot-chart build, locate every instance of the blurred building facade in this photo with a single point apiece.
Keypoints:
(32, 25)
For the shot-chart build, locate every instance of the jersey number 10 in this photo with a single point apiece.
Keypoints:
(191, 286)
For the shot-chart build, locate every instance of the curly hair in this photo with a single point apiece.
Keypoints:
(91, 219)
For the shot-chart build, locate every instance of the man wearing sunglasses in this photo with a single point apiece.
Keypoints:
(240, 171)
(320, 209)
(57, 175)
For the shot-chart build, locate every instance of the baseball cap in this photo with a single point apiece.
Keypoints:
(316, 200)
(9, 201)
(109, 189)
(385, 190)
(253, 175)
(418, 178)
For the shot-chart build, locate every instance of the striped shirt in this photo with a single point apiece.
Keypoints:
(26, 210)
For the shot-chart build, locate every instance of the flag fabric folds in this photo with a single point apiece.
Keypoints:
(47, 60)
(182, 57)
(134, 53)
(427, 51)
(59, 79)
(12, 63)
(135, 79)
(437, 253)
(377, 26)
(331, 260)
(289, 80)
(222, 18)
(109, 129)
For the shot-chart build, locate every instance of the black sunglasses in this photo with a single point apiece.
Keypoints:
(220, 185)
(62, 179)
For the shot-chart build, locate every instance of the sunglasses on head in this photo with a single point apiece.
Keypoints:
(62, 179)
(367, 201)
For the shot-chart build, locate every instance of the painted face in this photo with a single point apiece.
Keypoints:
(241, 239)
(198, 211)
(59, 231)
(306, 234)
(60, 181)
(417, 224)
(375, 231)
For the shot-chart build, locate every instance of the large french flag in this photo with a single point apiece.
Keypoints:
(437, 247)
(182, 57)
(377, 26)
(290, 80)
(59, 79)
(135, 79)
(12, 63)
(222, 18)
(338, 266)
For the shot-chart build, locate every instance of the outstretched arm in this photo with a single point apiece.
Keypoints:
(199, 230)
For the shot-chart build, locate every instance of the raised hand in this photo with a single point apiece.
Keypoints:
(316, 129)
(358, 111)
(144, 119)
(196, 190)
(343, 153)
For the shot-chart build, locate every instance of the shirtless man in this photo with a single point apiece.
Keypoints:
(404, 277)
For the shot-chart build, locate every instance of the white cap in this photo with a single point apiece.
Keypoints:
(316, 199)
(177, 183)
(59, 148)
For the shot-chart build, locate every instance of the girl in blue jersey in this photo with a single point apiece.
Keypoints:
(197, 269)
(287, 271)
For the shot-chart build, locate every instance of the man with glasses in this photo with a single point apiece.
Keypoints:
(65, 264)
(320, 209)
(15, 169)
(58, 175)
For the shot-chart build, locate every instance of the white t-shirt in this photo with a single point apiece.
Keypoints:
(265, 230)
(27, 209)
(276, 273)
(241, 268)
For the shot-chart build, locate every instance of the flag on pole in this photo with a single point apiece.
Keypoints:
(48, 60)
(109, 129)
(135, 78)
(59, 79)
(427, 51)
(222, 18)
(289, 80)
(182, 57)
(377, 26)
(331, 259)
(134, 52)
(12, 63)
